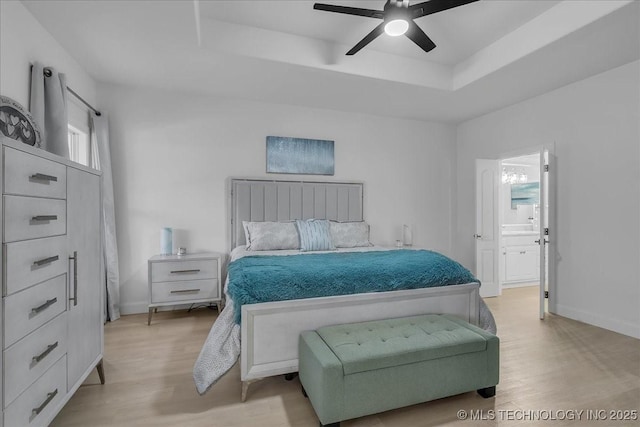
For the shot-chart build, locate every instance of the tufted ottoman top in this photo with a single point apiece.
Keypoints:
(384, 343)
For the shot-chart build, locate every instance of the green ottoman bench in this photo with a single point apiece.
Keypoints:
(357, 369)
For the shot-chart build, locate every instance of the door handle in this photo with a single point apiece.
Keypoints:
(75, 278)
(477, 236)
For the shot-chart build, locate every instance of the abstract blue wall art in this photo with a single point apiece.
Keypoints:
(299, 156)
(525, 194)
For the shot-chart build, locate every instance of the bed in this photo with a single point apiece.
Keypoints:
(266, 338)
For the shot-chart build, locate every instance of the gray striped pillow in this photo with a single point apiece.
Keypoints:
(315, 235)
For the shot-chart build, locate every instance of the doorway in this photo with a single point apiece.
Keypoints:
(519, 221)
(515, 223)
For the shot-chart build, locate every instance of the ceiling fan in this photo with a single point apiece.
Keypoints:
(397, 19)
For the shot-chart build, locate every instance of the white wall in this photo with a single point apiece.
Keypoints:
(595, 126)
(173, 152)
(23, 41)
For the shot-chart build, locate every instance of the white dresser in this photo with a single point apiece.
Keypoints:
(184, 279)
(52, 295)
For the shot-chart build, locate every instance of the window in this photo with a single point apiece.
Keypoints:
(79, 148)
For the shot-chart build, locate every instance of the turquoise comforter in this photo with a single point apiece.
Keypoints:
(254, 279)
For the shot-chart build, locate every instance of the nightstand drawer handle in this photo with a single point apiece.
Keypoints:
(44, 218)
(45, 353)
(44, 306)
(50, 397)
(185, 271)
(43, 177)
(184, 291)
(45, 261)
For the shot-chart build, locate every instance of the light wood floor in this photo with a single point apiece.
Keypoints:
(550, 365)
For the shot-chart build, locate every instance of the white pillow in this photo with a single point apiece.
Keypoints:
(271, 236)
(349, 234)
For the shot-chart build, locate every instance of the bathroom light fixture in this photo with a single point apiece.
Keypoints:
(513, 176)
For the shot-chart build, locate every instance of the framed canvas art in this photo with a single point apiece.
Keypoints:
(525, 194)
(300, 156)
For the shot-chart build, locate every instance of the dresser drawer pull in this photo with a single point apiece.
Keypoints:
(184, 291)
(45, 353)
(185, 271)
(75, 278)
(44, 306)
(40, 408)
(43, 177)
(523, 252)
(44, 218)
(45, 261)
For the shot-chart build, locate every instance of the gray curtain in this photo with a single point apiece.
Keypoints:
(48, 106)
(101, 159)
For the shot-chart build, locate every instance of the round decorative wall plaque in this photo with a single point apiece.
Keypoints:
(17, 123)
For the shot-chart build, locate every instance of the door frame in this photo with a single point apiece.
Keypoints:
(551, 255)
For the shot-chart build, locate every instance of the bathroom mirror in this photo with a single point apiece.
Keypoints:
(527, 193)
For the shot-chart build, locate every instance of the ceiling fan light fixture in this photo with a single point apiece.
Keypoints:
(396, 27)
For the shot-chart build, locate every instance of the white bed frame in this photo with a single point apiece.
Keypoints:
(270, 331)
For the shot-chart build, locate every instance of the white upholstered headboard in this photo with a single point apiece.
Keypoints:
(273, 200)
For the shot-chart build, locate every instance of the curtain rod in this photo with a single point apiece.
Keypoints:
(47, 73)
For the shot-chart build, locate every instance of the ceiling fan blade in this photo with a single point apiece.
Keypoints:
(435, 6)
(419, 37)
(367, 39)
(369, 13)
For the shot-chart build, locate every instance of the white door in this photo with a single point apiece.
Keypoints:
(486, 235)
(85, 290)
(548, 232)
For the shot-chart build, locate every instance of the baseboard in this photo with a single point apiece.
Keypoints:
(519, 285)
(615, 325)
(134, 308)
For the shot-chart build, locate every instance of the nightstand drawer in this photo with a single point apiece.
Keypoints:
(34, 261)
(167, 292)
(33, 217)
(36, 404)
(29, 358)
(33, 307)
(28, 175)
(184, 270)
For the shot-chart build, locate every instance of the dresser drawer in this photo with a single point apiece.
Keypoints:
(33, 261)
(28, 175)
(167, 292)
(33, 307)
(35, 406)
(171, 271)
(519, 240)
(32, 218)
(29, 358)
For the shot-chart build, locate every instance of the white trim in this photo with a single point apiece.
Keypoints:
(616, 325)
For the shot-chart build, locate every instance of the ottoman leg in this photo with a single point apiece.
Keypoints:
(330, 425)
(487, 392)
(290, 376)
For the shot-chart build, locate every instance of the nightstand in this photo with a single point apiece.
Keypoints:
(184, 279)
